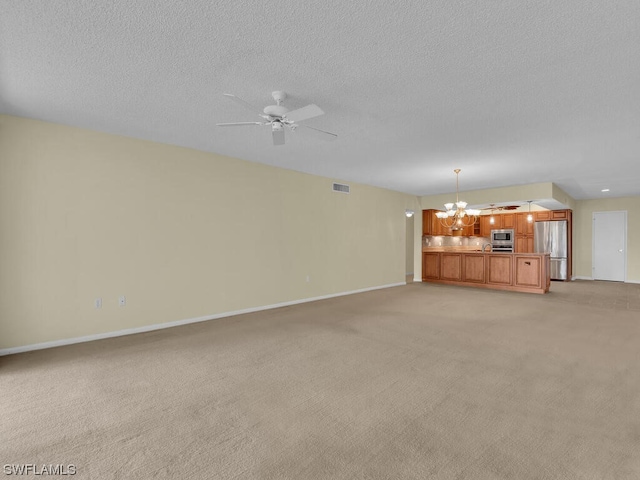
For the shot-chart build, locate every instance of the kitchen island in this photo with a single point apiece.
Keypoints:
(519, 272)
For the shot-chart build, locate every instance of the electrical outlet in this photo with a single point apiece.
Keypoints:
(122, 301)
(308, 278)
(98, 302)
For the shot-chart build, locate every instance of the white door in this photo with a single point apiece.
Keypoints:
(610, 246)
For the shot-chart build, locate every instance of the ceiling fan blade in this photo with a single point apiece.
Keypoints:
(239, 124)
(243, 103)
(304, 113)
(320, 133)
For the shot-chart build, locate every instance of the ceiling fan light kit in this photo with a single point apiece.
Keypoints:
(279, 116)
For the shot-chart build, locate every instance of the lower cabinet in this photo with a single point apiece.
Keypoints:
(527, 272)
(451, 266)
(524, 244)
(474, 268)
(501, 271)
(430, 266)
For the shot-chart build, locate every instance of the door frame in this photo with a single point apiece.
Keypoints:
(593, 240)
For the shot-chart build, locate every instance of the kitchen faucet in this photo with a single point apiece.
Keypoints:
(485, 246)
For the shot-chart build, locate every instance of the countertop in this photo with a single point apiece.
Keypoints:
(466, 248)
(472, 249)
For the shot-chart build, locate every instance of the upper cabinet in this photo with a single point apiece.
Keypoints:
(431, 224)
(547, 215)
(485, 225)
(500, 221)
(508, 220)
(427, 227)
(523, 227)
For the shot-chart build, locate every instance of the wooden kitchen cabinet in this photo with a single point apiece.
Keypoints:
(546, 215)
(474, 268)
(485, 226)
(508, 220)
(499, 268)
(431, 224)
(472, 230)
(501, 221)
(527, 271)
(430, 266)
(497, 221)
(426, 222)
(451, 266)
(542, 216)
(523, 227)
(523, 244)
(524, 234)
(498, 271)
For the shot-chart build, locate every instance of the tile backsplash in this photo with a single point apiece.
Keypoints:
(437, 241)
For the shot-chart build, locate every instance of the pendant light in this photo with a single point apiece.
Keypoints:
(492, 220)
(530, 217)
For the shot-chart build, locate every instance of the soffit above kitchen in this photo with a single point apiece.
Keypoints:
(512, 93)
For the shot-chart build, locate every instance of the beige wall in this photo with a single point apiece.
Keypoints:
(491, 195)
(583, 234)
(522, 193)
(181, 233)
(562, 197)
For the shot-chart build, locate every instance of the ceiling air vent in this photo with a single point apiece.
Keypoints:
(338, 187)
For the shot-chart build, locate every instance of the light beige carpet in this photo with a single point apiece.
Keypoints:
(414, 382)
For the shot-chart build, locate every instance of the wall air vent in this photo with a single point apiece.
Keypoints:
(338, 187)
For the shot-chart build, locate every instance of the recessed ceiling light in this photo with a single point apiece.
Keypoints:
(604, 190)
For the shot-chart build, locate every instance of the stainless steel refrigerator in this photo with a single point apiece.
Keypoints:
(551, 237)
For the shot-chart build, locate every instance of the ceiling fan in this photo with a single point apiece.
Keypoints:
(504, 207)
(278, 116)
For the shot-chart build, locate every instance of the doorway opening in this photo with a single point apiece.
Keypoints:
(409, 250)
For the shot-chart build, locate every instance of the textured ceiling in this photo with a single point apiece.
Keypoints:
(511, 92)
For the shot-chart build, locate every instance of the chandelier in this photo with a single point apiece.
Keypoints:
(459, 218)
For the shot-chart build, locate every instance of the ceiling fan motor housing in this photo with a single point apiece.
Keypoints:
(279, 96)
(275, 110)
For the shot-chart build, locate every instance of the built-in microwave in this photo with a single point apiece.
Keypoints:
(502, 237)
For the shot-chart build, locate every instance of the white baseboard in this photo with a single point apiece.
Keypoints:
(579, 277)
(177, 323)
(417, 280)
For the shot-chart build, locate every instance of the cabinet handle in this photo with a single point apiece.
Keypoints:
(527, 263)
